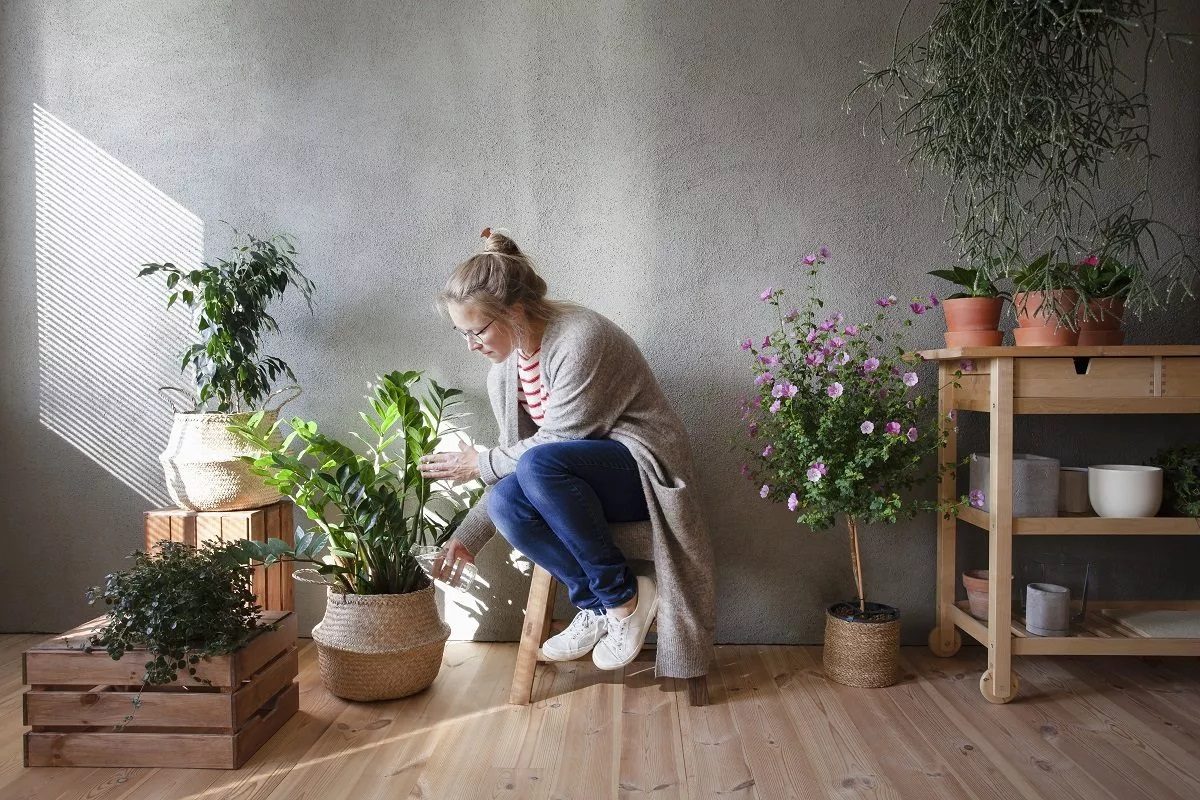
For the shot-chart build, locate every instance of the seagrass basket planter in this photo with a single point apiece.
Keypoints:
(862, 648)
(380, 646)
(203, 466)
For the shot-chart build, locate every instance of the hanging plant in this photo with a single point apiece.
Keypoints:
(1023, 108)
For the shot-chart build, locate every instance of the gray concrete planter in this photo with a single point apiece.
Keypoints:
(1034, 483)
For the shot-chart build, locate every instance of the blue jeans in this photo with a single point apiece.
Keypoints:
(556, 508)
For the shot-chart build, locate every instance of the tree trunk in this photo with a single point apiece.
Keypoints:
(856, 562)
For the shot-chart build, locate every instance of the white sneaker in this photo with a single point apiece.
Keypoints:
(625, 637)
(577, 639)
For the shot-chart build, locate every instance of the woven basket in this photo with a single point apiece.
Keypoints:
(862, 653)
(203, 467)
(380, 646)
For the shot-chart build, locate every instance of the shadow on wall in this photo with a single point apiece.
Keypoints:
(105, 344)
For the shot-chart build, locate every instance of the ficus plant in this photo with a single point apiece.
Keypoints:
(1028, 115)
(229, 299)
(368, 507)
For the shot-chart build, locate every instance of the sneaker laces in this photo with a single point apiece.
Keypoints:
(582, 626)
(617, 626)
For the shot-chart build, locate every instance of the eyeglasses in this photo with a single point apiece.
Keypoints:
(474, 335)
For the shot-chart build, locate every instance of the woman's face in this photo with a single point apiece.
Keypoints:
(486, 335)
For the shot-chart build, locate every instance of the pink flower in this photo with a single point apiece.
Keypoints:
(933, 300)
(812, 336)
(839, 317)
(851, 330)
(767, 294)
(765, 378)
(774, 409)
(767, 451)
(893, 428)
(824, 251)
(884, 302)
(867, 427)
(764, 491)
(917, 308)
(871, 364)
(977, 498)
(1090, 261)
(910, 379)
(792, 390)
(777, 390)
(953, 415)
(967, 365)
(816, 471)
(747, 344)
(793, 502)
(827, 325)
(769, 361)
(842, 357)
(912, 434)
(834, 389)
(837, 341)
(810, 259)
(766, 342)
(814, 358)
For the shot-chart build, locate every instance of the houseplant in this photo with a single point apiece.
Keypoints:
(973, 314)
(1181, 479)
(1046, 307)
(182, 604)
(840, 430)
(1104, 285)
(1021, 112)
(229, 299)
(381, 636)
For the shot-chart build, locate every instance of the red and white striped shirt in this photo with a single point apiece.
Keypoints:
(531, 390)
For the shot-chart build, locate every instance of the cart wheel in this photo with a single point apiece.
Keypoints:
(935, 643)
(985, 688)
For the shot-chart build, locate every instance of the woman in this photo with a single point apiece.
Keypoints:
(587, 437)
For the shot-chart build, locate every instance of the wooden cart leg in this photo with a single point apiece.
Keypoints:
(944, 640)
(539, 611)
(998, 684)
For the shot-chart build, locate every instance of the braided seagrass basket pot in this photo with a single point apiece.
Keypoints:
(380, 646)
(862, 649)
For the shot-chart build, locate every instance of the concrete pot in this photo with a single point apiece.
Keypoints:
(1125, 490)
(1034, 483)
(1047, 609)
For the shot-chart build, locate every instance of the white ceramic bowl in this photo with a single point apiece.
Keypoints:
(1125, 490)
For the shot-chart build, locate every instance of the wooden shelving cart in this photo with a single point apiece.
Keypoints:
(1006, 382)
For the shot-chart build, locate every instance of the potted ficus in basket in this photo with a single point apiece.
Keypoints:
(229, 299)
(840, 429)
(381, 636)
(972, 314)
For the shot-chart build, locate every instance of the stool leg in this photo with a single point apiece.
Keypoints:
(698, 691)
(539, 610)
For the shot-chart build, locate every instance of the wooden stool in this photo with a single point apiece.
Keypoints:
(634, 541)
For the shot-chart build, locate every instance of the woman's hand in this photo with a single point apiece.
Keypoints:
(449, 567)
(457, 467)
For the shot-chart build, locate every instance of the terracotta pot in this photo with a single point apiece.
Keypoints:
(1040, 328)
(1104, 327)
(975, 581)
(974, 338)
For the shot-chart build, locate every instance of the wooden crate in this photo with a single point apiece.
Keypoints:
(272, 585)
(75, 698)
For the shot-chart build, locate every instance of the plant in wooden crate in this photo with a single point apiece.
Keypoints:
(1022, 112)
(229, 298)
(972, 314)
(181, 605)
(839, 428)
(381, 636)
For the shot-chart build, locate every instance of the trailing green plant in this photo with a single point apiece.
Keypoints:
(371, 508)
(1040, 272)
(230, 299)
(1022, 109)
(974, 281)
(182, 604)
(1181, 478)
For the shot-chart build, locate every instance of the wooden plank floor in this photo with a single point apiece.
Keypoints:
(1107, 728)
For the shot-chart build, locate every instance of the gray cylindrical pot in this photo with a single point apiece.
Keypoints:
(1034, 483)
(1047, 609)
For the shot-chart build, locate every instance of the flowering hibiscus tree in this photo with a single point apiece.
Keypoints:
(838, 423)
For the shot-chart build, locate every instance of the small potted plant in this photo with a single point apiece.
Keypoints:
(229, 299)
(182, 604)
(973, 314)
(381, 637)
(1046, 303)
(1104, 285)
(840, 429)
(1181, 479)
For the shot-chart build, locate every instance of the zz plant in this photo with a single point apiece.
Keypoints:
(368, 509)
(230, 299)
(1022, 111)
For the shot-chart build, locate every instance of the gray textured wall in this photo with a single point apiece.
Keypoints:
(663, 162)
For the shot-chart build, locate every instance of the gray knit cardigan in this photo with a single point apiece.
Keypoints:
(601, 387)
